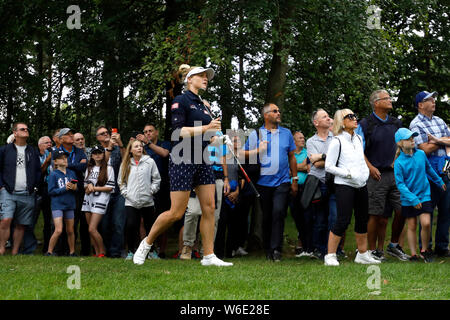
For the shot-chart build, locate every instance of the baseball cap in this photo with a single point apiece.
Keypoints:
(424, 95)
(404, 134)
(64, 131)
(209, 73)
(57, 154)
(97, 149)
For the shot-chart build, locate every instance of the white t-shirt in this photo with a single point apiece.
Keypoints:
(21, 172)
(99, 199)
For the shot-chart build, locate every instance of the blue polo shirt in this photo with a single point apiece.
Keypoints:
(275, 168)
(188, 110)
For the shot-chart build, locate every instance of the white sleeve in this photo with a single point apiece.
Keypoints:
(156, 178)
(122, 185)
(332, 157)
(111, 179)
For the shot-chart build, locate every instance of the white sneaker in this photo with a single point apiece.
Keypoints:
(366, 258)
(141, 252)
(212, 260)
(331, 260)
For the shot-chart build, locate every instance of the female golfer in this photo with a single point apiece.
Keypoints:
(188, 169)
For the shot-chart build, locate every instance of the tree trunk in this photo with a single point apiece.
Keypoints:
(279, 66)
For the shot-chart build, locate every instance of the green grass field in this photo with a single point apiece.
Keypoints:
(41, 278)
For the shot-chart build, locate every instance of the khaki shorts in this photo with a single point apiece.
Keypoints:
(383, 195)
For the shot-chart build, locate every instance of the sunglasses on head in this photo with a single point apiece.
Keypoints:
(351, 116)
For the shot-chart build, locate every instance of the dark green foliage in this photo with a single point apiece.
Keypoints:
(120, 68)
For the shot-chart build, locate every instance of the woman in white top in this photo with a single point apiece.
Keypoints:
(345, 160)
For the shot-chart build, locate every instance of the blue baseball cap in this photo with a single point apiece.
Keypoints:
(58, 154)
(424, 95)
(404, 134)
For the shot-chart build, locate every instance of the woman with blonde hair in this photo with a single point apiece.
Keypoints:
(188, 170)
(345, 160)
(138, 181)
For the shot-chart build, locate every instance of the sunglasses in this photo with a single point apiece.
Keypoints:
(104, 133)
(23, 129)
(274, 111)
(351, 116)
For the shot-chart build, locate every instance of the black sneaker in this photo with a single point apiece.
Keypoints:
(341, 254)
(414, 258)
(276, 256)
(397, 251)
(378, 255)
(73, 255)
(269, 256)
(427, 256)
(317, 255)
(50, 254)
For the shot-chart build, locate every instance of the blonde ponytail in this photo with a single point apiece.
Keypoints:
(183, 70)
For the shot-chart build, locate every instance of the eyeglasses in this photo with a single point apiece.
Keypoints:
(385, 98)
(351, 116)
(104, 133)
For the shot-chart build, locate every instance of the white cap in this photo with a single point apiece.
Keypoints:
(209, 73)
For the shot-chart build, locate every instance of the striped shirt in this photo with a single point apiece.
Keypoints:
(424, 126)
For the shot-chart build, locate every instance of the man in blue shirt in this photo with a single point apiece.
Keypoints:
(276, 152)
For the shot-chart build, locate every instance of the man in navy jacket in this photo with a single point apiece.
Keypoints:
(20, 173)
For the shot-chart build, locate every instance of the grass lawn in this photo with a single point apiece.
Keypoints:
(251, 278)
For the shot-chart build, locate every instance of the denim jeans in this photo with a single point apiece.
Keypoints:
(440, 199)
(113, 226)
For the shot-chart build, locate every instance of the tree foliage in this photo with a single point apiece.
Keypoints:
(120, 68)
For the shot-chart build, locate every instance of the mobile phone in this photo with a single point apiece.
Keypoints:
(114, 130)
(73, 181)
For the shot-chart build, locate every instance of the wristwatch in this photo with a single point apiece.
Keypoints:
(324, 156)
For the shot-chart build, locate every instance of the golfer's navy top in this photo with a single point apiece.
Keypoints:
(188, 110)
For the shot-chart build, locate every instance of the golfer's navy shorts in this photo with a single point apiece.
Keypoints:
(186, 176)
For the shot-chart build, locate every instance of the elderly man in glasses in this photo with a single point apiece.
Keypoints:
(433, 139)
(20, 173)
(378, 131)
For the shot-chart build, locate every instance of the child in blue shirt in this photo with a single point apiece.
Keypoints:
(412, 171)
(62, 185)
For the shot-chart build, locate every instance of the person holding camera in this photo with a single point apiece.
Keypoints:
(113, 223)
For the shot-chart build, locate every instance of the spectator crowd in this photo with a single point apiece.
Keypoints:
(106, 197)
